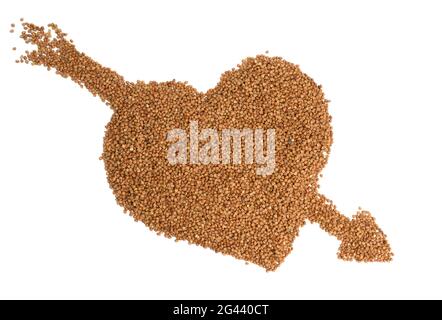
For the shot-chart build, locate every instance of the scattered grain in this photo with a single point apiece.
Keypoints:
(226, 208)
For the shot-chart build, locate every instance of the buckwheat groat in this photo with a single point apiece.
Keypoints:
(228, 208)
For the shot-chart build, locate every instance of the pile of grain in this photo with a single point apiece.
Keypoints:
(227, 208)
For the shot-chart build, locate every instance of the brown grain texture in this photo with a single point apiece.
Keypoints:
(227, 208)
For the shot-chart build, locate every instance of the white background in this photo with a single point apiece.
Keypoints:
(62, 235)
